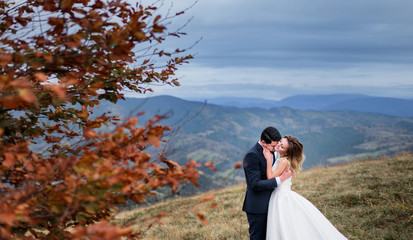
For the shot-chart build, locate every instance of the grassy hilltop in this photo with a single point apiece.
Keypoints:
(365, 200)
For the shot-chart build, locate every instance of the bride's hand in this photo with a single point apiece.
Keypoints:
(267, 154)
(286, 174)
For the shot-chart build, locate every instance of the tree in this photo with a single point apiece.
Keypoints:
(58, 60)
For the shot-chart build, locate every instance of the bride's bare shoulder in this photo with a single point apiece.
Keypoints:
(284, 161)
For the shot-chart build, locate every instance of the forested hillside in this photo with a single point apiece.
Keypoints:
(207, 132)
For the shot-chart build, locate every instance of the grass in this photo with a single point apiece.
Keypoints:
(370, 199)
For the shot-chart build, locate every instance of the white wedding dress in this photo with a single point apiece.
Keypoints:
(292, 217)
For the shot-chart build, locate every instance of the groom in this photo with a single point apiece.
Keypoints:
(259, 188)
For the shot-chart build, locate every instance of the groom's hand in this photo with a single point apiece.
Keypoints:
(286, 175)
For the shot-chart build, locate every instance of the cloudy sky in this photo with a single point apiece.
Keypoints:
(278, 48)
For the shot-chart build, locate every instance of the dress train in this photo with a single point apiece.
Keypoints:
(292, 217)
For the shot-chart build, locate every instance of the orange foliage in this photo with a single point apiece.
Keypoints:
(202, 218)
(59, 169)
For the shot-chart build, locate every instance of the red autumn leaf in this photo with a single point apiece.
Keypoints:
(27, 95)
(41, 170)
(59, 91)
(9, 160)
(40, 77)
(208, 198)
(5, 59)
(72, 45)
(7, 218)
(89, 134)
(21, 83)
(123, 231)
(210, 165)
(69, 81)
(157, 18)
(154, 140)
(133, 121)
(202, 217)
(48, 58)
(10, 102)
(238, 165)
(52, 139)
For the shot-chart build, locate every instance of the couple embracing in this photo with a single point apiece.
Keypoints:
(275, 212)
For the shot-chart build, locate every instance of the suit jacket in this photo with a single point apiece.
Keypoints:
(259, 188)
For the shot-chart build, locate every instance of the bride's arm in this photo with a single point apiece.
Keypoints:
(281, 167)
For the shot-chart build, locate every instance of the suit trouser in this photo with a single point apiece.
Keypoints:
(258, 225)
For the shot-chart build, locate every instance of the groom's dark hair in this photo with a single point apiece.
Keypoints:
(270, 134)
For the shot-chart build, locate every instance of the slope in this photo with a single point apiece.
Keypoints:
(365, 200)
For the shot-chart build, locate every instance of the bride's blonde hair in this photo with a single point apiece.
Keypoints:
(295, 153)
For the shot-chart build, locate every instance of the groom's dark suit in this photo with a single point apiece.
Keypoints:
(258, 191)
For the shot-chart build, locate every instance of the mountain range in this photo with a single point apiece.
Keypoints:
(356, 102)
(222, 134)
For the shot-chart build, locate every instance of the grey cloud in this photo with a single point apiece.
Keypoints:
(282, 33)
(352, 46)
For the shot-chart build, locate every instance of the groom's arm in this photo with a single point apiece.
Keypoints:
(253, 175)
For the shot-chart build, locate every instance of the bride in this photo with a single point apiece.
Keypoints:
(291, 216)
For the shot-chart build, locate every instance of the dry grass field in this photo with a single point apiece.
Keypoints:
(370, 200)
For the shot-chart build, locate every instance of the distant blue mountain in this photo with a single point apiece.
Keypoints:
(353, 102)
(316, 102)
(390, 106)
(240, 102)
